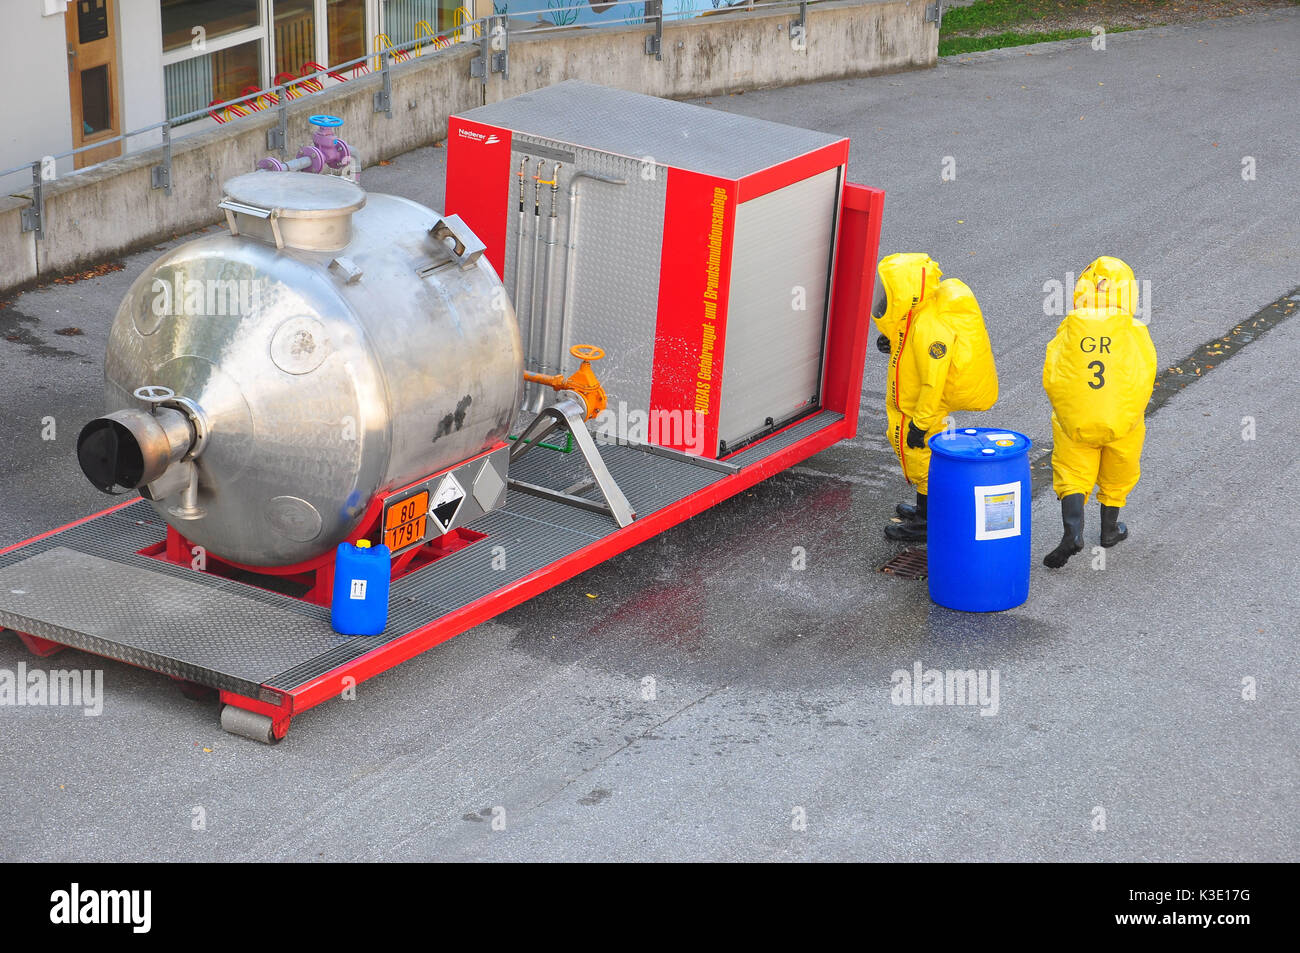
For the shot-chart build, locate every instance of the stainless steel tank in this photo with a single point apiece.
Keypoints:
(336, 345)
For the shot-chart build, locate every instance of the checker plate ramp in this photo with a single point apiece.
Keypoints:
(87, 586)
(142, 616)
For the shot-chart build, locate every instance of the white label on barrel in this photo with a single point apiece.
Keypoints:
(358, 588)
(997, 511)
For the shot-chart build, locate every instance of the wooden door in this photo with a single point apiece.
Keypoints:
(92, 78)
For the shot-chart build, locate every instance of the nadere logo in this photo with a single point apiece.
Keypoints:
(486, 138)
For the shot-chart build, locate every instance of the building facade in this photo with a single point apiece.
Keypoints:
(78, 72)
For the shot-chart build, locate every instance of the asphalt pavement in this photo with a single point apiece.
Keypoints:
(1144, 711)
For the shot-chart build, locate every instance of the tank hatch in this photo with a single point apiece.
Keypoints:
(292, 209)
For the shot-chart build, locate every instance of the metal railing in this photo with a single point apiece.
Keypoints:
(490, 33)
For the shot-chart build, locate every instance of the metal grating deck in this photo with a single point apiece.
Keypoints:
(88, 587)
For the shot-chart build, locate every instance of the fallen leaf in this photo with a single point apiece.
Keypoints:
(96, 272)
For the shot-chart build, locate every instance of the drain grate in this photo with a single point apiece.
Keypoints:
(909, 564)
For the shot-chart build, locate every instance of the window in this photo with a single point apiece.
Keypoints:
(197, 81)
(186, 22)
(236, 68)
(347, 30)
(212, 50)
(95, 107)
(401, 17)
(295, 35)
(218, 50)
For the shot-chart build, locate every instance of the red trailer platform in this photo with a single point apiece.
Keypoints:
(105, 584)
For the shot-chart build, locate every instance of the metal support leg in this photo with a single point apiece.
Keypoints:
(571, 415)
(33, 217)
(41, 648)
(799, 27)
(383, 99)
(277, 137)
(161, 175)
(654, 44)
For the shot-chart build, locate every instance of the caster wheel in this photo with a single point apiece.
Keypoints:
(248, 724)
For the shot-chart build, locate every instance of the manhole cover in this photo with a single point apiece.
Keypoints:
(910, 564)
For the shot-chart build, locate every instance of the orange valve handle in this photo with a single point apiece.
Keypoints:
(582, 381)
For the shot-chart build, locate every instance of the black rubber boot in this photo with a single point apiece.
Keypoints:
(1072, 541)
(908, 511)
(913, 530)
(1113, 532)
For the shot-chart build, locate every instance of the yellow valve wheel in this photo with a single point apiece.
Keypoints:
(586, 352)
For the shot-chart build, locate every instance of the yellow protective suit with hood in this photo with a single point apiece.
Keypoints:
(1099, 372)
(940, 359)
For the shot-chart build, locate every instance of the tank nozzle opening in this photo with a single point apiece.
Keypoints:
(130, 449)
(110, 455)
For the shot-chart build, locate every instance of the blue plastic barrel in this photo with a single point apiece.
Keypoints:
(361, 576)
(978, 535)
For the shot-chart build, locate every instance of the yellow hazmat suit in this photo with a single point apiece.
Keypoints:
(940, 358)
(1099, 373)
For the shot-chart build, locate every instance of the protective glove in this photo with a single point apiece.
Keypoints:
(882, 344)
(915, 436)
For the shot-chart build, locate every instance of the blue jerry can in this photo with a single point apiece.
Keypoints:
(361, 577)
(978, 529)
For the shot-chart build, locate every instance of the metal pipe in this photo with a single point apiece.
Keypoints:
(188, 508)
(519, 237)
(530, 351)
(132, 448)
(534, 320)
(547, 366)
(571, 253)
(518, 289)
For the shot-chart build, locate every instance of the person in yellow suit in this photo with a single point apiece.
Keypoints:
(940, 361)
(1099, 373)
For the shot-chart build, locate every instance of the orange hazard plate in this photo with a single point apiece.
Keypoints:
(405, 521)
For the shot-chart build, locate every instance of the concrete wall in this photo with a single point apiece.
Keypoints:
(111, 208)
(723, 53)
(17, 250)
